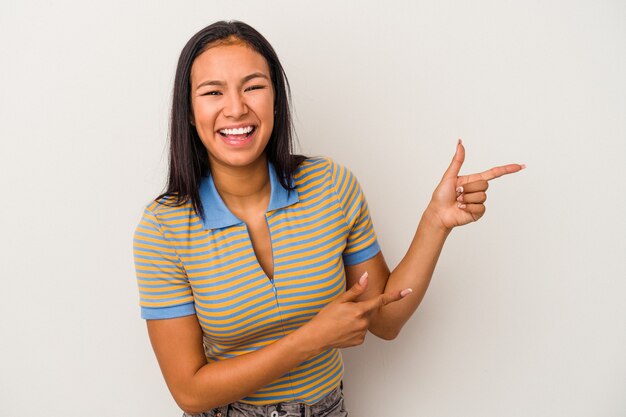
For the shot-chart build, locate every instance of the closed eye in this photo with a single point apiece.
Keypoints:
(255, 87)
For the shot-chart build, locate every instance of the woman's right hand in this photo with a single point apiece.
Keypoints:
(197, 385)
(344, 322)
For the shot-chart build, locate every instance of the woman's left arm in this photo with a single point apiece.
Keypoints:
(457, 200)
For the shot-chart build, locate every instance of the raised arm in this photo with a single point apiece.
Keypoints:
(197, 386)
(457, 200)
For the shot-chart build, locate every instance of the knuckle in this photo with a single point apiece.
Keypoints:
(382, 301)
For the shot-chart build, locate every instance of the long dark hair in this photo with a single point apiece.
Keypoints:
(188, 158)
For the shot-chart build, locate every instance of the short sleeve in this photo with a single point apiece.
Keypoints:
(164, 290)
(361, 243)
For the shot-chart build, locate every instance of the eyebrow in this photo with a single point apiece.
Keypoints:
(243, 80)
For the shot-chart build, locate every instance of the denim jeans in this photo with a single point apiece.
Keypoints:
(330, 406)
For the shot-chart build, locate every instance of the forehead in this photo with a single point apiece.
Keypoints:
(228, 63)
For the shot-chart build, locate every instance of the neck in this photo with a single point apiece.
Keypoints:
(243, 189)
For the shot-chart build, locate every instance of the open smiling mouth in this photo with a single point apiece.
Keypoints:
(240, 133)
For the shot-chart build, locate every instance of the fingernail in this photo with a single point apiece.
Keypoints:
(461, 206)
(459, 198)
(405, 292)
(459, 190)
(363, 279)
(523, 166)
(460, 141)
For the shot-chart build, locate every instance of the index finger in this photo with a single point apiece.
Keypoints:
(382, 300)
(497, 172)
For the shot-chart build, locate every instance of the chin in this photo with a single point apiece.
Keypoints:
(239, 161)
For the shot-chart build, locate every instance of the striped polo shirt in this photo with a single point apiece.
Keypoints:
(207, 266)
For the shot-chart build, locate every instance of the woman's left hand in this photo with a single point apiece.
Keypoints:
(459, 200)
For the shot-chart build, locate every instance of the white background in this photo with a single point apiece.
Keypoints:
(526, 315)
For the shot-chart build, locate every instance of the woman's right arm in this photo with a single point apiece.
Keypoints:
(198, 386)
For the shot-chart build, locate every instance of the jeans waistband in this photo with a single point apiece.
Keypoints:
(285, 409)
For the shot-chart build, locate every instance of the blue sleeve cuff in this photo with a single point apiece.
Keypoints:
(362, 255)
(150, 313)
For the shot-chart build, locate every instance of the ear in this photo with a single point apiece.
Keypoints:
(191, 120)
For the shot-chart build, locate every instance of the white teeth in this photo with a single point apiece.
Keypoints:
(238, 131)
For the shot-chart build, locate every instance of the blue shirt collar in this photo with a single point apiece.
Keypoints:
(217, 215)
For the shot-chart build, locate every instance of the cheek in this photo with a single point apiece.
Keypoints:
(260, 103)
(204, 116)
(265, 109)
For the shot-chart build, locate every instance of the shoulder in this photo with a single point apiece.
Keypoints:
(165, 209)
(320, 167)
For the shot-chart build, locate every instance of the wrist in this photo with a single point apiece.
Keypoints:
(305, 342)
(433, 221)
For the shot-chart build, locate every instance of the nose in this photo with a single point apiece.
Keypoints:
(235, 106)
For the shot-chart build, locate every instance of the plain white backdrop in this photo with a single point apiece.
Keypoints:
(526, 314)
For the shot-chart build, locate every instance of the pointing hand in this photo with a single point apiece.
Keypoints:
(344, 322)
(459, 200)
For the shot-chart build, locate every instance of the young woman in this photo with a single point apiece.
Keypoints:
(243, 263)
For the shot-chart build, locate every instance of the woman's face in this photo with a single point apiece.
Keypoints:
(232, 101)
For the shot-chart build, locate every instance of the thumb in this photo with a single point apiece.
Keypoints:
(455, 166)
(357, 289)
